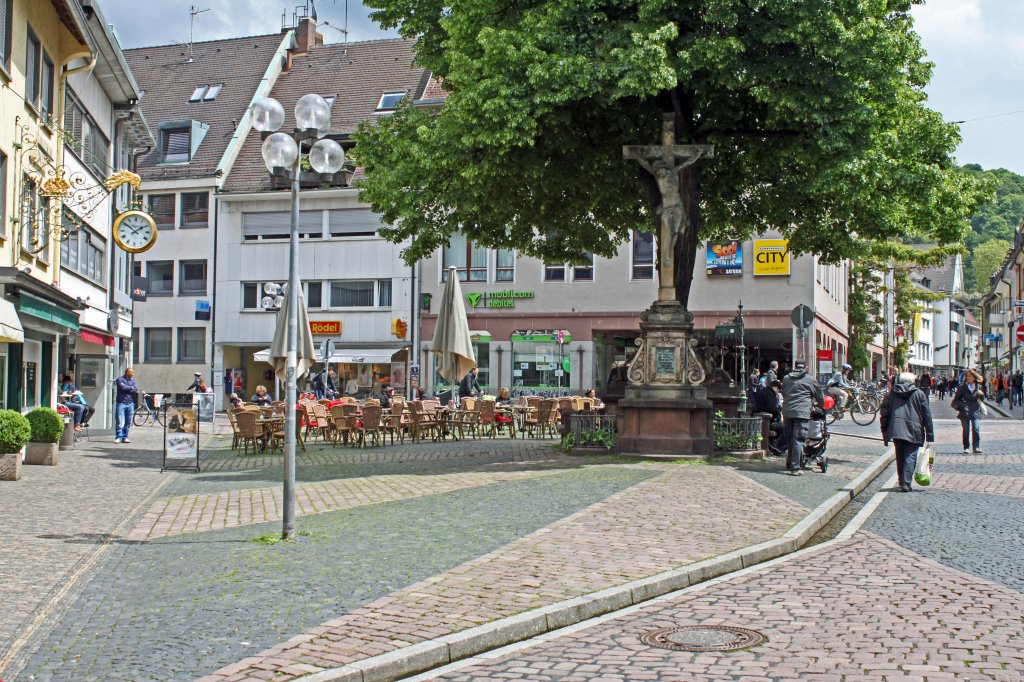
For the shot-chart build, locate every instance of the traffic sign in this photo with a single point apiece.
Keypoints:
(802, 316)
(560, 336)
(327, 349)
(1020, 333)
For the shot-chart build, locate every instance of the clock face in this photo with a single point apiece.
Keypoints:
(135, 231)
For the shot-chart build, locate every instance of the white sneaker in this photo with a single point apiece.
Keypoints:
(118, 440)
(125, 440)
(967, 451)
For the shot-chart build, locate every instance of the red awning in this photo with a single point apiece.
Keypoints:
(93, 337)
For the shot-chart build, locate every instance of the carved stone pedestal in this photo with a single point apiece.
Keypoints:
(666, 410)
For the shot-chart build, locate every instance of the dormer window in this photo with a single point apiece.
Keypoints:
(389, 100)
(176, 144)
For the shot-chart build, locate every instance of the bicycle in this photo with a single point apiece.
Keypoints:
(148, 410)
(862, 409)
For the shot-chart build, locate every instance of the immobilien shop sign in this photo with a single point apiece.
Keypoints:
(496, 299)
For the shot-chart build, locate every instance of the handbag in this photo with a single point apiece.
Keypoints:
(984, 408)
(923, 471)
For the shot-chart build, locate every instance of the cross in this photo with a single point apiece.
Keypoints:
(664, 162)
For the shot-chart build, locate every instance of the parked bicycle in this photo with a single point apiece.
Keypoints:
(149, 411)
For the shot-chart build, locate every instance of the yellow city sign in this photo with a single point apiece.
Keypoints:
(771, 257)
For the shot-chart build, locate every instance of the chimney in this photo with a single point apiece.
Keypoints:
(306, 35)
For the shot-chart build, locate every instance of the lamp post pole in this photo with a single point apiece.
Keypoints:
(743, 362)
(291, 389)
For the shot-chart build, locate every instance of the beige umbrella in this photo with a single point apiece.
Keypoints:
(305, 353)
(452, 343)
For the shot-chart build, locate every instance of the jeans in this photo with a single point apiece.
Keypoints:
(78, 409)
(796, 433)
(971, 421)
(906, 460)
(123, 419)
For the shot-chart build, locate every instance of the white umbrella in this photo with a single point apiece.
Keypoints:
(305, 353)
(452, 343)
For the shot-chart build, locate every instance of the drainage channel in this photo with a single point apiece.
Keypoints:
(834, 527)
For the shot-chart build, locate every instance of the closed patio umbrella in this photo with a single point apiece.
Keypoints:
(305, 353)
(452, 343)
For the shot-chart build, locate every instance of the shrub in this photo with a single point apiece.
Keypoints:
(47, 425)
(14, 432)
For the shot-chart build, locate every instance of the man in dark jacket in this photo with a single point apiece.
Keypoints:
(767, 401)
(773, 372)
(469, 387)
(800, 394)
(906, 420)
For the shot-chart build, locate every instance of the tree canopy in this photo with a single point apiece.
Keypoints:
(816, 110)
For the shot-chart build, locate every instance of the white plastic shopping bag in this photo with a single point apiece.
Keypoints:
(923, 472)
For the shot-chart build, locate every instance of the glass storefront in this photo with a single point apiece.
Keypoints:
(482, 350)
(539, 361)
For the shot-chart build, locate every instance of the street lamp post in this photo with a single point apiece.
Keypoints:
(744, 381)
(282, 154)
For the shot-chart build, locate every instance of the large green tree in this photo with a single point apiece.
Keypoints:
(815, 108)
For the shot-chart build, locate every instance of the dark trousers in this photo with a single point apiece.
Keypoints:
(796, 433)
(971, 424)
(906, 460)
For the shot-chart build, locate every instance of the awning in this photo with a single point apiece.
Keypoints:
(94, 337)
(360, 355)
(10, 326)
(44, 310)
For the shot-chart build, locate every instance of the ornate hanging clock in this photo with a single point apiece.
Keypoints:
(135, 231)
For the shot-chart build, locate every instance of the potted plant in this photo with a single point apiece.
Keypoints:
(47, 427)
(14, 433)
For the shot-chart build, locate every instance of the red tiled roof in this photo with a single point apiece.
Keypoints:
(356, 74)
(168, 79)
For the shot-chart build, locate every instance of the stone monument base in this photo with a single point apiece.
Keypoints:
(666, 410)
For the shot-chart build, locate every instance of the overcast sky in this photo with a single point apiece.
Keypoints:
(976, 46)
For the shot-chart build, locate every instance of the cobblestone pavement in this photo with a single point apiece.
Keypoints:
(534, 526)
(57, 518)
(845, 612)
(931, 589)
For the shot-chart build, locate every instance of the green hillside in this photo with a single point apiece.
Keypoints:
(994, 225)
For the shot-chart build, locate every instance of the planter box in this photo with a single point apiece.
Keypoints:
(41, 453)
(10, 467)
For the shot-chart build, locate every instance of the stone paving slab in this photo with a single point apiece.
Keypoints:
(976, 483)
(646, 530)
(195, 513)
(847, 611)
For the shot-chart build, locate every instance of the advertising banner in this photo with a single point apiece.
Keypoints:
(724, 258)
(771, 257)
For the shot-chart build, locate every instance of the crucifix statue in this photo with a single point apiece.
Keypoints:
(664, 162)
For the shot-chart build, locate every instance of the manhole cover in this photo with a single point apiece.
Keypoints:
(703, 638)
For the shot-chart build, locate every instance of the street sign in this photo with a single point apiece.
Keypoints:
(1017, 303)
(327, 349)
(802, 316)
(1020, 333)
(560, 336)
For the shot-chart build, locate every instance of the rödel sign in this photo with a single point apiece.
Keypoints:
(325, 327)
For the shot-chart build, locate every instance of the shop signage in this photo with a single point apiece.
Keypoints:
(325, 327)
(771, 257)
(542, 336)
(496, 299)
(724, 258)
(824, 355)
(203, 310)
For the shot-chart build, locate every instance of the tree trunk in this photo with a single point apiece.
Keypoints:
(686, 246)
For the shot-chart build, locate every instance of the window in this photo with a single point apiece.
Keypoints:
(251, 295)
(267, 225)
(158, 344)
(384, 293)
(29, 208)
(197, 94)
(212, 93)
(192, 344)
(42, 230)
(5, 33)
(195, 209)
(353, 222)
(505, 266)
(84, 253)
(470, 261)
(161, 277)
(91, 146)
(162, 207)
(176, 145)
(314, 294)
(585, 272)
(643, 255)
(389, 100)
(192, 277)
(926, 323)
(352, 294)
(136, 346)
(554, 273)
(3, 181)
(46, 88)
(33, 62)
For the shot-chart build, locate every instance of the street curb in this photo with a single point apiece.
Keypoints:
(429, 654)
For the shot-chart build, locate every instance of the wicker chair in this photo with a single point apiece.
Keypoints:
(343, 424)
(371, 425)
(422, 421)
(234, 428)
(486, 423)
(248, 430)
(397, 422)
(543, 419)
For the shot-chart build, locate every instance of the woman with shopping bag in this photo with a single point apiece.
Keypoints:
(906, 421)
(967, 401)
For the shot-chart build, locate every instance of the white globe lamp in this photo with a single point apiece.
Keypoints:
(279, 151)
(326, 156)
(313, 113)
(267, 115)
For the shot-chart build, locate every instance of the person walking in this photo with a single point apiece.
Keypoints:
(773, 372)
(1018, 388)
(967, 403)
(940, 387)
(800, 394)
(906, 422)
(127, 394)
(925, 383)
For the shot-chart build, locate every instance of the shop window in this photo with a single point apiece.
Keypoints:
(643, 255)
(161, 277)
(540, 365)
(482, 351)
(192, 344)
(158, 344)
(468, 260)
(505, 266)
